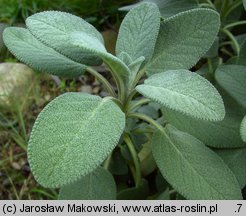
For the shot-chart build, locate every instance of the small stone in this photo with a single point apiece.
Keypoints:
(16, 83)
(96, 90)
(47, 97)
(16, 166)
(86, 89)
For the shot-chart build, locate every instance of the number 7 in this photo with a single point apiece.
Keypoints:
(239, 207)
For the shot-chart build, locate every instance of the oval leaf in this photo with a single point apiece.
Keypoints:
(232, 78)
(185, 92)
(76, 39)
(191, 168)
(138, 32)
(169, 8)
(72, 136)
(54, 29)
(32, 52)
(183, 39)
(97, 185)
(223, 134)
(118, 67)
(236, 161)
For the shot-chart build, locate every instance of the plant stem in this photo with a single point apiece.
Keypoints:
(206, 5)
(138, 104)
(105, 83)
(211, 4)
(135, 158)
(138, 77)
(210, 66)
(233, 40)
(147, 119)
(224, 50)
(107, 161)
(117, 101)
(129, 99)
(235, 24)
(223, 8)
(233, 7)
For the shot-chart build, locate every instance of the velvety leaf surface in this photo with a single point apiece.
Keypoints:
(118, 67)
(236, 161)
(243, 129)
(168, 7)
(232, 78)
(171, 7)
(138, 32)
(191, 168)
(185, 92)
(97, 185)
(223, 134)
(72, 136)
(183, 39)
(31, 51)
(54, 29)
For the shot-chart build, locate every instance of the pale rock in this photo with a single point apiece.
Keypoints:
(17, 81)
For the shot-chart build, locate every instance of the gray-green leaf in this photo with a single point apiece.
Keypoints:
(97, 185)
(72, 136)
(169, 7)
(138, 32)
(232, 78)
(183, 39)
(172, 7)
(236, 161)
(54, 29)
(185, 92)
(223, 134)
(118, 67)
(191, 168)
(39, 56)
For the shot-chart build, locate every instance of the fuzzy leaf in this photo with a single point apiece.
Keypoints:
(243, 129)
(232, 78)
(244, 4)
(54, 29)
(97, 185)
(72, 136)
(39, 56)
(168, 7)
(185, 92)
(223, 134)
(172, 7)
(191, 168)
(213, 51)
(76, 39)
(236, 161)
(138, 32)
(134, 68)
(237, 60)
(183, 39)
(118, 67)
